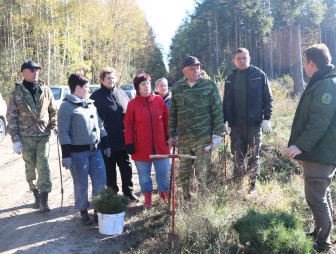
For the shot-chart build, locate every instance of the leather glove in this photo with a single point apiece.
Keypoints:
(67, 162)
(130, 148)
(17, 147)
(55, 131)
(266, 126)
(107, 152)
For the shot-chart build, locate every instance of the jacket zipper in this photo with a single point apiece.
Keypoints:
(151, 119)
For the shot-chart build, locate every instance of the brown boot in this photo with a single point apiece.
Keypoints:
(148, 200)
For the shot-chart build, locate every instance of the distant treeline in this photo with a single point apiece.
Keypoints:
(275, 32)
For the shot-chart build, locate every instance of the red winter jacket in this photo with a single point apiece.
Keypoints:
(146, 126)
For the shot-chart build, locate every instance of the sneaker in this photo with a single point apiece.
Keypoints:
(86, 220)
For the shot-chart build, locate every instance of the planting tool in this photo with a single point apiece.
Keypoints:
(60, 168)
(172, 236)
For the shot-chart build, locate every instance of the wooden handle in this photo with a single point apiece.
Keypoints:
(186, 156)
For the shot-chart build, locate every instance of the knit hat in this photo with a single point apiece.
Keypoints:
(138, 79)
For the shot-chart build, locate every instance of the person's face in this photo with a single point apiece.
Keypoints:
(109, 80)
(30, 75)
(192, 73)
(162, 88)
(242, 60)
(83, 91)
(145, 88)
(309, 67)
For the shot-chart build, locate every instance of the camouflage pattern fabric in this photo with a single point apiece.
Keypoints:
(35, 153)
(196, 112)
(25, 118)
(197, 170)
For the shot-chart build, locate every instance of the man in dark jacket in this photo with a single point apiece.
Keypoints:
(247, 106)
(111, 103)
(313, 139)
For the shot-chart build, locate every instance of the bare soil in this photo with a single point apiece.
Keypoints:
(25, 230)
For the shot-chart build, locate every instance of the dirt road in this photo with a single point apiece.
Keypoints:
(25, 230)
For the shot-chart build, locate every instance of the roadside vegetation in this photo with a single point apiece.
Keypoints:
(223, 220)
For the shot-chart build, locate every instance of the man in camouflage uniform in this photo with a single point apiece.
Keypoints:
(196, 112)
(31, 116)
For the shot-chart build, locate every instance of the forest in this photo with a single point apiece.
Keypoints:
(64, 36)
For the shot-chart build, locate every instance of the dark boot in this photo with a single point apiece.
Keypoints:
(131, 196)
(95, 216)
(44, 202)
(253, 187)
(37, 199)
(86, 220)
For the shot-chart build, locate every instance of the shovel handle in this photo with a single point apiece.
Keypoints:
(186, 156)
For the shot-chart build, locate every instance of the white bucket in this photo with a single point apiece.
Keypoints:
(111, 224)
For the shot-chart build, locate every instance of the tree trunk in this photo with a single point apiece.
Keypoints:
(297, 61)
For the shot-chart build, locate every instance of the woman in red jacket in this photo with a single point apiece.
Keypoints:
(146, 132)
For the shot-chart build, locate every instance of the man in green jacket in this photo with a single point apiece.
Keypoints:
(313, 139)
(195, 111)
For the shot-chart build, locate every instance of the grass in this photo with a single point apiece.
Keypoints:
(226, 221)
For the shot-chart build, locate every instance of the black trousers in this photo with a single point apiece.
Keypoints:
(120, 158)
(245, 147)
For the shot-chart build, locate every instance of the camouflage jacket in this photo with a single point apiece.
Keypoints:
(25, 118)
(196, 112)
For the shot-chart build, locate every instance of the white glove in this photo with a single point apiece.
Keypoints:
(216, 142)
(17, 147)
(107, 152)
(55, 131)
(228, 129)
(67, 162)
(266, 126)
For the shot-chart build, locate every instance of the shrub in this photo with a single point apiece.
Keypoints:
(109, 202)
(272, 233)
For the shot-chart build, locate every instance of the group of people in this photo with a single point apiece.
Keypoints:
(97, 133)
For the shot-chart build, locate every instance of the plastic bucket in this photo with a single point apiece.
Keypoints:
(111, 224)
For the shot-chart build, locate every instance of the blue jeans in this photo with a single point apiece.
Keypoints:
(162, 173)
(84, 164)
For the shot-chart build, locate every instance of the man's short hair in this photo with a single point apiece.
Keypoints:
(241, 50)
(77, 79)
(105, 71)
(319, 54)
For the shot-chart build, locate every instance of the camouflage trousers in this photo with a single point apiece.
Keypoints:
(35, 153)
(198, 169)
(245, 147)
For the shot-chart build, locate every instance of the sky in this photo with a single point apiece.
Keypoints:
(165, 16)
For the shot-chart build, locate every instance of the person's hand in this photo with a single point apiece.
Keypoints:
(17, 147)
(107, 152)
(227, 127)
(172, 141)
(266, 126)
(130, 148)
(55, 131)
(67, 162)
(292, 151)
(216, 141)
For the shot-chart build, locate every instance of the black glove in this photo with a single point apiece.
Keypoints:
(129, 148)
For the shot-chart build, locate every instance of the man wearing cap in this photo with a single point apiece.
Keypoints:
(196, 112)
(247, 108)
(31, 117)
